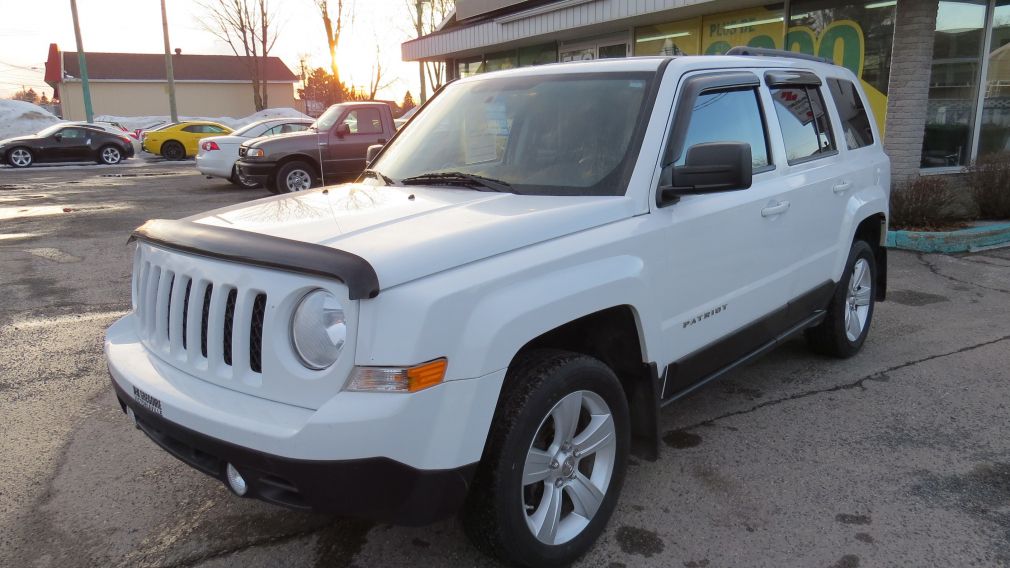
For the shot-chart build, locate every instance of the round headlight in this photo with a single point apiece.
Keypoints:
(318, 329)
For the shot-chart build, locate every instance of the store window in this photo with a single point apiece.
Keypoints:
(953, 83)
(501, 61)
(856, 35)
(538, 55)
(994, 132)
(675, 38)
(755, 27)
(467, 67)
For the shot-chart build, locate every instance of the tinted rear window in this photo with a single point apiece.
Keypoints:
(855, 121)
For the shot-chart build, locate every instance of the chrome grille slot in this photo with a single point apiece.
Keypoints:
(185, 311)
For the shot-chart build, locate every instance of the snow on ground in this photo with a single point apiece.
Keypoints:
(18, 118)
(146, 122)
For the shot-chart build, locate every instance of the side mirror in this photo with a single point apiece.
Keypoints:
(710, 167)
(58, 137)
(372, 152)
(343, 129)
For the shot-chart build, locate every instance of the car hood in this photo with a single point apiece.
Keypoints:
(28, 138)
(281, 138)
(407, 233)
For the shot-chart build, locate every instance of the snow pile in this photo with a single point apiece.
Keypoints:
(18, 118)
(145, 122)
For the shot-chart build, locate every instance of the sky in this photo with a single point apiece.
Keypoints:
(28, 27)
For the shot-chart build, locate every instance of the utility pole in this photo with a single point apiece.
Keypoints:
(82, 62)
(168, 65)
(420, 64)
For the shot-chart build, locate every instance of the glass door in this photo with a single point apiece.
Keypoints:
(994, 131)
(602, 48)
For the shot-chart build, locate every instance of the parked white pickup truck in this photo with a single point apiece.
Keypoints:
(490, 319)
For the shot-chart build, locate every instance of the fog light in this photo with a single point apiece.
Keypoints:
(235, 480)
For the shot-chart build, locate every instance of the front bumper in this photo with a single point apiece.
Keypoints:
(373, 488)
(258, 172)
(406, 459)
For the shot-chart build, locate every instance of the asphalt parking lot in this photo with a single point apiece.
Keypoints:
(897, 457)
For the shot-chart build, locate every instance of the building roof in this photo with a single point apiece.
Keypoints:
(151, 67)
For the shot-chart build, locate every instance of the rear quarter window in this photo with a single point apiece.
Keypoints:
(855, 122)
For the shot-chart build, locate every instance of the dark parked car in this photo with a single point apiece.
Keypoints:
(339, 140)
(66, 143)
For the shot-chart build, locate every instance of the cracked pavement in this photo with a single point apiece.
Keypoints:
(897, 457)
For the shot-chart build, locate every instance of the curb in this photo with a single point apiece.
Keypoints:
(964, 240)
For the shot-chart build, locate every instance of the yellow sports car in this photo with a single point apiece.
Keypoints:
(180, 139)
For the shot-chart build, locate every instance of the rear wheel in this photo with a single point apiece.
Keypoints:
(237, 179)
(20, 157)
(564, 417)
(844, 330)
(294, 176)
(110, 155)
(173, 150)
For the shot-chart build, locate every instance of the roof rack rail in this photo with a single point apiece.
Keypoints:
(765, 52)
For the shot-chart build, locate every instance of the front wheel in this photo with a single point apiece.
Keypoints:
(110, 155)
(844, 329)
(554, 461)
(20, 157)
(294, 176)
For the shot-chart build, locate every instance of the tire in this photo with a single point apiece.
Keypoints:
(110, 155)
(20, 157)
(501, 513)
(850, 313)
(294, 176)
(240, 181)
(173, 150)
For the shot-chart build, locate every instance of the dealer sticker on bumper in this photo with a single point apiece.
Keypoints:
(147, 401)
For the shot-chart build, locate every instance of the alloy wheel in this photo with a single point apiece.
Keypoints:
(111, 156)
(568, 467)
(21, 158)
(857, 300)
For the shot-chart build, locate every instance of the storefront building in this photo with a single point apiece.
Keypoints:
(936, 72)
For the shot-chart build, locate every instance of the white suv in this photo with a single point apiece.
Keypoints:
(490, 319)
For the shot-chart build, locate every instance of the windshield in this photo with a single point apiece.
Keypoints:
(52, 129)
(328, 118)
(565, 134)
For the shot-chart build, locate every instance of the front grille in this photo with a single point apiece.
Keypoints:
(207, 324)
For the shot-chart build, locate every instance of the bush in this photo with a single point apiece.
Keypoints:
(923, 202)
(989, 179)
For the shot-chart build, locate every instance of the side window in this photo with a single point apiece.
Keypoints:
(364, 121)
(293, 127)
(855, 122)
(193, 128)
(273, 131)
(73, 133)
(806, 128)
(210, 128)
(728, 116)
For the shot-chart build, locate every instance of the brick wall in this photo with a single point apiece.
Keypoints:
(908, 87)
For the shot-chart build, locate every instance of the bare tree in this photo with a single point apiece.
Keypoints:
(378, 81)
(333, 25)
(427, 15)
(247, 27)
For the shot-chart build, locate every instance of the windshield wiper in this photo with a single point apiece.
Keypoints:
(459, 178)
(379, 175)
